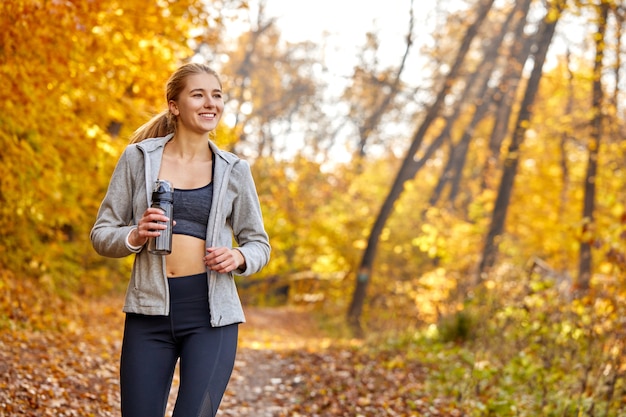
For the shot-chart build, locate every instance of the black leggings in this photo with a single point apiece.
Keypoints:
(153, 344)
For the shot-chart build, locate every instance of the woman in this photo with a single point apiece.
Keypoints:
(184, 305)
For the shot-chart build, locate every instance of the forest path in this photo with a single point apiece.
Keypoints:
(74, 371)
(260, 385)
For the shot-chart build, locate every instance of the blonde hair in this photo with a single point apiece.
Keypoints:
(164, 123)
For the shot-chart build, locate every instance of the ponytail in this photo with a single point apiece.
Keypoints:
(160, 125)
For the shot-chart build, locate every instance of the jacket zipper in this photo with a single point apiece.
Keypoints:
(218, 213)
(148, 174)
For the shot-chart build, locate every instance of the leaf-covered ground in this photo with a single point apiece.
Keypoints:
(285, 367)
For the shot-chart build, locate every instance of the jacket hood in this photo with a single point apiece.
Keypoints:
(154, 144)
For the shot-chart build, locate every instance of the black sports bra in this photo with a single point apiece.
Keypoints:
(191, 211)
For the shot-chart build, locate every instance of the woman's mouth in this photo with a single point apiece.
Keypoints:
(208, 116)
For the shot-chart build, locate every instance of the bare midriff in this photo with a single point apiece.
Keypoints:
(187, 257)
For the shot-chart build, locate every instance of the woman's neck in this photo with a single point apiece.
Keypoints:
(181, 147)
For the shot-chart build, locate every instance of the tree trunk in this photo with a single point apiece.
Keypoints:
(406, 172)
(496, 229)
(584, 266)
(483, 101)
(565, 174)
(520, 52)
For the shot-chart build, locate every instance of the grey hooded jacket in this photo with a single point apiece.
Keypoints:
(235, 212)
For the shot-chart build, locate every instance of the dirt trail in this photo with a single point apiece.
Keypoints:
(284, 368)
(259, 386)
(75, 372)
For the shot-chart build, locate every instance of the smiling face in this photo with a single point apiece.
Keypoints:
(199, 106)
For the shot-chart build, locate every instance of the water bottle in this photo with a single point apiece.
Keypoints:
(163, 198)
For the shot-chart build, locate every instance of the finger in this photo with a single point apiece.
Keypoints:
(220, 266)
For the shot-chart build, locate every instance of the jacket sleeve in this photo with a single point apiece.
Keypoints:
(247, 222)
(115, 216)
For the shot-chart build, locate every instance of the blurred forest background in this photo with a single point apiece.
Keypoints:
(481, 207)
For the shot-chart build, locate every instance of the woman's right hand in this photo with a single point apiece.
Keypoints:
(148, 226)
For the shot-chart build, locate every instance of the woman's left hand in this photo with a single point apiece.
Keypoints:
(223, 260)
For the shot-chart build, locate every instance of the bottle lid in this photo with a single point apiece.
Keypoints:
(163, 191)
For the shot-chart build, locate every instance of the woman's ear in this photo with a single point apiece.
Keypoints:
(173, 108)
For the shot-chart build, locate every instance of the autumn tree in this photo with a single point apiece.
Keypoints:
(408, 169)
(597, 121)
(273, 86)
(484, 100)
(544, 38)
(372, 92)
